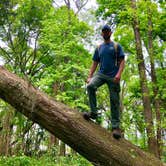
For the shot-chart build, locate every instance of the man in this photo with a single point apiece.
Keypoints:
(110, 58)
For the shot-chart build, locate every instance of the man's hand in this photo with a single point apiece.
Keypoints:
(118, 75)
(117, 78)
(88, 80)
(92, 70)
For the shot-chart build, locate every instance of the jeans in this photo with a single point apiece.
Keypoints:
(114, 88)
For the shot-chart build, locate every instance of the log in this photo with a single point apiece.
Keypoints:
(90, 140)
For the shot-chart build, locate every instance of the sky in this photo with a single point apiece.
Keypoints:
(90, 3)
(1, 61)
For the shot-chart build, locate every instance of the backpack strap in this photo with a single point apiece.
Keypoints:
(116, 53)
(98, 49)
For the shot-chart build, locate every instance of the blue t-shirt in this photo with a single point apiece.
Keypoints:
(106, 56)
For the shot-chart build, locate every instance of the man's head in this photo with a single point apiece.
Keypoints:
(106, 32)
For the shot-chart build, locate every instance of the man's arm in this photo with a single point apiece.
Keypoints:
(92, 70)
(121, 67)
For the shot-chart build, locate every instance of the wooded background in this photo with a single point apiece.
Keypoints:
(50, 44)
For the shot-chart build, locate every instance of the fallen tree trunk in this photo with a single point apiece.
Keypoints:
(87, 138)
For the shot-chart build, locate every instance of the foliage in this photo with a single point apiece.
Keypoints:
(62, 34)
(20, 32)
(44, 161)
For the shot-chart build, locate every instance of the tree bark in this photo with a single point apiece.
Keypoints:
(53, 141)
(154, 81)
(62, 149)
(87, 138)
(152, 142)
(5, 134)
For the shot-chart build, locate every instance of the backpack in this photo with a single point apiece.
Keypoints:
(116, 52)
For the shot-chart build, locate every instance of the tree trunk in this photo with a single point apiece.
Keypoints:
(5, 135)
(87, 138)
(154, 81)
(62, 151)
(152, 142)
(53, 141)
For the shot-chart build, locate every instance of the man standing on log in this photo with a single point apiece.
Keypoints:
(110, 57)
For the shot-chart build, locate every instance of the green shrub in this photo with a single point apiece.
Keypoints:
(15, 161)
(45, 160)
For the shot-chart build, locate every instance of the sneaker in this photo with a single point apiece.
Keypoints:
(116, 133)
(89, 115)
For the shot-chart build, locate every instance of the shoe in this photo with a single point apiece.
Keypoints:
(116, 133)
(89, 115)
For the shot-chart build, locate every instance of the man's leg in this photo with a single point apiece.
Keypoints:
(96, 82)
(114, 89)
